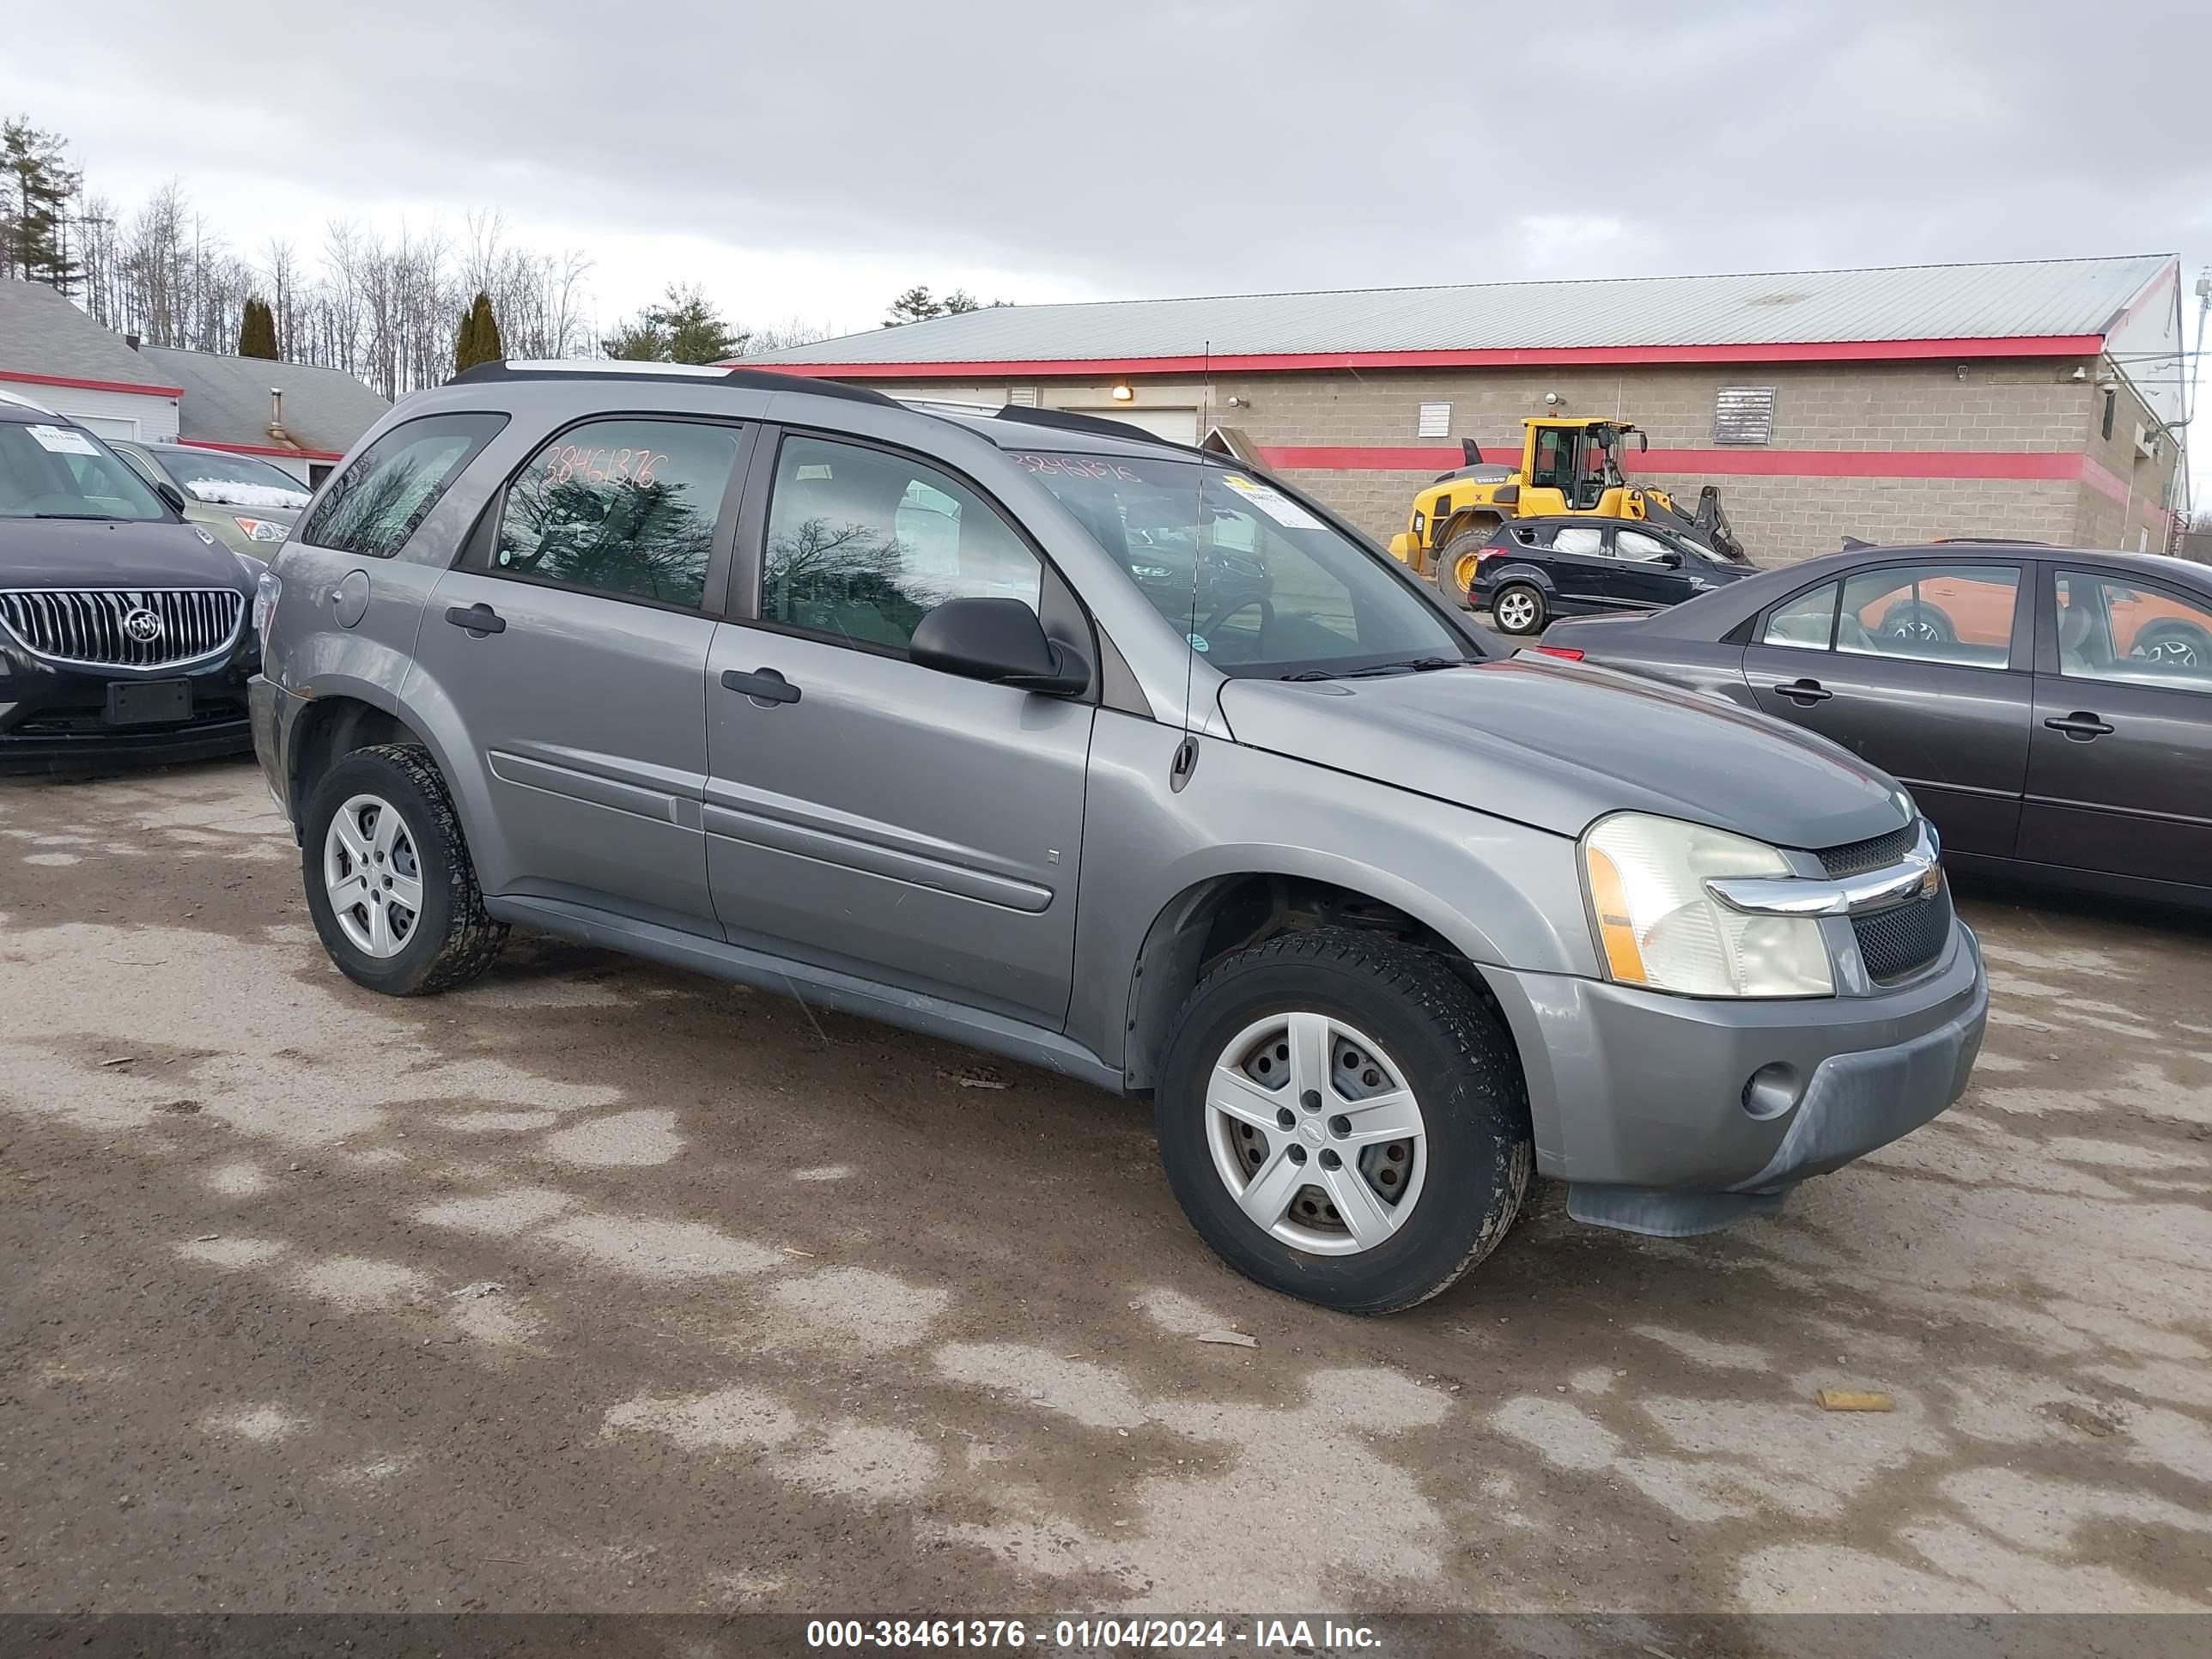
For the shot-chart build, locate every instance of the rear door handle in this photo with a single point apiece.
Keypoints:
(2081, 726)
(478, 619)
(1805, 691)
(762, 685)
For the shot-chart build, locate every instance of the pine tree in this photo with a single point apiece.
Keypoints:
(684, 328)
(35, 188)
(256, 332)
(478, 340)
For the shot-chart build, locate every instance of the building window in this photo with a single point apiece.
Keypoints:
(1435, 421)
(1744, 415)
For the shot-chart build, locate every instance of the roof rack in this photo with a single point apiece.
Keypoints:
(1096, 425)
(755, 380)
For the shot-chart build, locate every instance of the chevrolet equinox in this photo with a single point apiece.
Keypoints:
(1113, 756)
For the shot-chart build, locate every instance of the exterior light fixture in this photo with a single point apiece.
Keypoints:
(1124, 392)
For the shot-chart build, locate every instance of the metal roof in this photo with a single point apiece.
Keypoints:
(227, 400)
(2031, 298)
(42, 333)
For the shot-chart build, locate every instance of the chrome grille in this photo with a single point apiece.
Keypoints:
(122, 627)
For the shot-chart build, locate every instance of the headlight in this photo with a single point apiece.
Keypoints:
(262, 530)
(1420, 526)
(266, 587)
(1658, 926)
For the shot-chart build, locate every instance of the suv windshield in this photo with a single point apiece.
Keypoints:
(230, 480)
(1258, 582)
(64, 472)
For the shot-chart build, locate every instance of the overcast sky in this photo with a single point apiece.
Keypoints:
(808, 160)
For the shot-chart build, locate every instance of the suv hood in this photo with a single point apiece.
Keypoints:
(111, 553)
(1557, 744)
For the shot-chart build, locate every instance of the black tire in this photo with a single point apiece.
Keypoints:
(2183, 645)
(451, 940)
(1449, 1048)
(1461, 543)
(1919, 620)
(1540, 616)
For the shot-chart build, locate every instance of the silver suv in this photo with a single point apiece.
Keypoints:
(1115, 757)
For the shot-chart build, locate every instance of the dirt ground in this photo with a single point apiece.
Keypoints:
(597, 1286)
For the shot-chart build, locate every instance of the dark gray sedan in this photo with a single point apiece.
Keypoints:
(2049, 708)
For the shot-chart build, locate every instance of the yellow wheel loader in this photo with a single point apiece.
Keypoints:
(1570, 467)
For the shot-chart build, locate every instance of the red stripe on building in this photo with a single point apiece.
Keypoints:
(1808, 351)
(92, 385)
(264, 449)
(1727, 463)
(2102, 479)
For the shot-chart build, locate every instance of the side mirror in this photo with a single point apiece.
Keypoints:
(1506, 494)
(1001, 640)
(169, 492)
(1670, 558)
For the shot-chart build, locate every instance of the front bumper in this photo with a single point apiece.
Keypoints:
(53, 716)
(1638, 1099)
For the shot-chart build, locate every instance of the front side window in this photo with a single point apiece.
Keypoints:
(1957, 614)
(2110, 630)
(1256, 582)
(64, 472)
(1806, 622)
(1635, 545)
(863, 543)
(377, 502)
(627, 509)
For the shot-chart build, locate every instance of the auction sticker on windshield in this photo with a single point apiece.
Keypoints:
(1272, 501)
(62, 440)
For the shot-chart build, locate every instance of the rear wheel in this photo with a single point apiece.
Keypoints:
(1917, 619)
(1343, 1119)
(390, 885)
(1519, 608)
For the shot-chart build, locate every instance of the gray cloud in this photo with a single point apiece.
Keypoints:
(1149, 148)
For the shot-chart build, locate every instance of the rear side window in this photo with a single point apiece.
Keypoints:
(1578, 538)
(625, 507)
(1806, 622)
(378, 502)
(1956, 614)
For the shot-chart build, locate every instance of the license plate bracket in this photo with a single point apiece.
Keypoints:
(148, 703)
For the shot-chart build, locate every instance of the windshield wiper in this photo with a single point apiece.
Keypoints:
(74, 515)
(1410, 665)
(1311, 674)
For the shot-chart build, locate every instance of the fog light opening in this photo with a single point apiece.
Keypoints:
(1774, 1089)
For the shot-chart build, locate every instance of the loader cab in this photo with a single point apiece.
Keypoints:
(1577, 458)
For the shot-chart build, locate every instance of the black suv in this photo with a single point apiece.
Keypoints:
(1533, 569)
(123, 629)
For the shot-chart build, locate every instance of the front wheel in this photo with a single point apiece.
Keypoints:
(1343, 1119)
(390, 884)
(1518, 608)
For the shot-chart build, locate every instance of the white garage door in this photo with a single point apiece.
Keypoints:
(1178, 425)
(107, 426)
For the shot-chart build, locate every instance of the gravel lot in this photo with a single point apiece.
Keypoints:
(600, 1287)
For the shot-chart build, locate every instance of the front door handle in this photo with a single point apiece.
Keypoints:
(478, 619)
(2081, 726)
(1805, 692)
(762, 685)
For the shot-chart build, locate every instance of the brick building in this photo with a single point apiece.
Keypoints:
(2036, 399)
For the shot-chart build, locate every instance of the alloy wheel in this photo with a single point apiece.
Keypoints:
(1517, 613)
(1315, 1133)
(374, 876)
